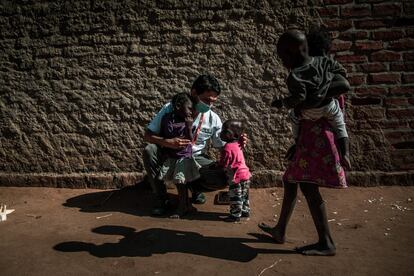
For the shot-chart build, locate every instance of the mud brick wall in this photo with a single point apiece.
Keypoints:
(79, 81)
(375, 40)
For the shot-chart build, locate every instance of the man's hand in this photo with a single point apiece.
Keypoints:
(176, 143)
(243, 140)
(278, 103)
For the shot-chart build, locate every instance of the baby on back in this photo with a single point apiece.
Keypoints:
(313, 82)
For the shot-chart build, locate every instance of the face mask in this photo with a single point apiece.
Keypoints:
(202, 107)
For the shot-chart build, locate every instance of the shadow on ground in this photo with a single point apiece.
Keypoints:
(151, 241)
(130, 200)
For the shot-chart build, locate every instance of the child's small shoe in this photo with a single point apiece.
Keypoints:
(232, 219)
(245, 214)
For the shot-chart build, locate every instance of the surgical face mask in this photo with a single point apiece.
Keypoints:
(202, 107)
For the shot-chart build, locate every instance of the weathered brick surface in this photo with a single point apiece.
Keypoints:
(355, 11)
(371, 67)
(387, 34)
(79, 80)
(380, 107)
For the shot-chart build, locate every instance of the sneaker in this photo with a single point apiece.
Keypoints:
(245, 214)
(198, 198)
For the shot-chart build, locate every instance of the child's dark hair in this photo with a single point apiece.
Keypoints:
(236, 126)
(206, 82)
(179, 99)
(319, 42)
(288, 39)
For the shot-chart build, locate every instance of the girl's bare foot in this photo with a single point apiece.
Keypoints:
(275, 232)
(317, 249)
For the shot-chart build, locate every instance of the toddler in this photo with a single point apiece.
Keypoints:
(237, 173)
(180, 166)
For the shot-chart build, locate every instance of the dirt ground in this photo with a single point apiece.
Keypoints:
(95, 232)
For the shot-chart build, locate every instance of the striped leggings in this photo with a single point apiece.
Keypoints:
(239, 198)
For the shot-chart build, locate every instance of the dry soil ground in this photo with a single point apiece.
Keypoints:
(95, 232)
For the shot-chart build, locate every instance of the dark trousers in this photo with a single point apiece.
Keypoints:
(211, 177)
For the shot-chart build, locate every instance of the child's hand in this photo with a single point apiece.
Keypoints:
(278, 103)
(189, 120)
(176, 143)
(244, 139)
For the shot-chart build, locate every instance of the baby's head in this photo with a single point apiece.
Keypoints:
(319, 42)
(292, 48)
(182, 105)
(231, 130)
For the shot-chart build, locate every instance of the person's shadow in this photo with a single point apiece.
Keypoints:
(151, 241)
(131, 200)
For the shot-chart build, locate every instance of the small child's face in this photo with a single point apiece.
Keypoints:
(228, 134)
(185, 111)
(293, 55)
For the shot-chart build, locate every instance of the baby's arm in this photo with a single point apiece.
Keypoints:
(339, 85)
(189, 128)
(337, 68)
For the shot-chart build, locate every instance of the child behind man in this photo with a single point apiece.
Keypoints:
(238, 174)
(312, 83)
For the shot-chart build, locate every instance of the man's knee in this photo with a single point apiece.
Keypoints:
(151, 156)
(212, 180)
(150, 150)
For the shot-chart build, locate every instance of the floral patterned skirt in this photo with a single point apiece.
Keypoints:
(316, 159)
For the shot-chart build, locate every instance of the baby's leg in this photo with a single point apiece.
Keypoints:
(182, 201)
(189, 206)
(295, 130)
(325, 246)
(295, 124)
(343, 145)
(336, 119)
(289, 201)
(339, 85)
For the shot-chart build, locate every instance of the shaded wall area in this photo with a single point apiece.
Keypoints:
(374, 40)
(79, 80)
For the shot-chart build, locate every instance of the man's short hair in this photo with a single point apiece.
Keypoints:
(206, 82)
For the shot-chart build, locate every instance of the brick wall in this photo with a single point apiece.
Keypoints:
(374, 40)
(79, 80)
